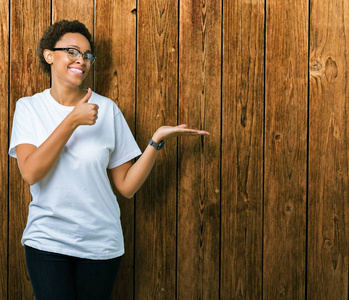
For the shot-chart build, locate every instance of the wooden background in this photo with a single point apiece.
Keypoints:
(259, 210)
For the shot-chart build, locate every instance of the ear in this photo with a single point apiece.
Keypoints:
(48, 54)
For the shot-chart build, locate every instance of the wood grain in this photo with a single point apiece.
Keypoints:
(26, 79)
(155, 240)
(115, 75)
(76, 10)
(232, 216)
(285, 182)
(242, 149)
(328, 153)
(4, 92)
(199, 158)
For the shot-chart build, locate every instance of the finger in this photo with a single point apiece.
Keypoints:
(203, 132)
(194, 132)
(87, 96)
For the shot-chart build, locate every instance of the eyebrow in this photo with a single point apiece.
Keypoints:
(75, 46)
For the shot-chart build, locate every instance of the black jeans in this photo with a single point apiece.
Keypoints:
(55, 276)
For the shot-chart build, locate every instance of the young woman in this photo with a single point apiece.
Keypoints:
(65, 139)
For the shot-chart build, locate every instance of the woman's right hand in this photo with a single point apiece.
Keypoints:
(85, 113)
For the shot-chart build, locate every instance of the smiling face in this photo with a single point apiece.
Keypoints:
(63, 70)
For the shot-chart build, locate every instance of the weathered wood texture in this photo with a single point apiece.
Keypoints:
(155, 214)
(258, 210)
(328, 151)
(4, 92)
(28, 21)
(199, 163)
(242, 149)
(285, 176)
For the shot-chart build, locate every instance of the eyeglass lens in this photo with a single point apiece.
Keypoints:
(74, 55)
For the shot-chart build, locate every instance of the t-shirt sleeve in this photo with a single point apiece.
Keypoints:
(22, 129)
(126, 147)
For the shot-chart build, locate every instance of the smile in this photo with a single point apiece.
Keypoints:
(78, 71)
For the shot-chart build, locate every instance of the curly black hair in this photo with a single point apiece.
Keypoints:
(54, 33)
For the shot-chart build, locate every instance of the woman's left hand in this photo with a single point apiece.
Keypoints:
(166, 132)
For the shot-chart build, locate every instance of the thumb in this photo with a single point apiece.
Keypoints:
(87, 96)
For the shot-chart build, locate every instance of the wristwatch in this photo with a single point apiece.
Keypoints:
(157, 146)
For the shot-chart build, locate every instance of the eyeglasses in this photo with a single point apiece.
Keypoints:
(74, 54)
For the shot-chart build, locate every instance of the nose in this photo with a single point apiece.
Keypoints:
(80, 60)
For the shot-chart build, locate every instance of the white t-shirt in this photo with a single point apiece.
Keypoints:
(74, 210)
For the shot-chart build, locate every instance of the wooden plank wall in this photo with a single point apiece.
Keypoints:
(258, 210)
(285, 160)
(328, 205)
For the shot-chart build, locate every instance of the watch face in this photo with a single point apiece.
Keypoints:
(161, 144)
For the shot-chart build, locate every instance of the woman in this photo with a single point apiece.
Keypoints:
(65, 139)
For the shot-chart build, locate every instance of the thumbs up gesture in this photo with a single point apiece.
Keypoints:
(85, 113)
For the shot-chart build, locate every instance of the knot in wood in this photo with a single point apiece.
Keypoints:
(288, 208)
(327, 243)
(331, 69)
(282, 293)
(319, 67)
(316, 67)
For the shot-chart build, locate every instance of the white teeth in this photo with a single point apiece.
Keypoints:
(76, 70)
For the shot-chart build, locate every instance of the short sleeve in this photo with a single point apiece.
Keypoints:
(22, 129)
(126, 147)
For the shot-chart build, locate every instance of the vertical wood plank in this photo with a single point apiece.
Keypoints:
(285, 149)
(242, 149)
(199, 158)
(115, 73)
(328, 153)
(155, 251)
(4, 46)
(26, 79)
(76, 10)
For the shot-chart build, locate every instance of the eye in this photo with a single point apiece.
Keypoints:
(73, 52)
(89, 56)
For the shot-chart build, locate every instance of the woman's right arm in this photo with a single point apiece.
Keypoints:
(35, 162)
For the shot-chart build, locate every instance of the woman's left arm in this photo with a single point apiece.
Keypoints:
(128, 178)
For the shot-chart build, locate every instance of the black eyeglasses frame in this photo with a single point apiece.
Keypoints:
(80, 52)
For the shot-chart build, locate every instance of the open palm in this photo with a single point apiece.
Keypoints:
(166, 132)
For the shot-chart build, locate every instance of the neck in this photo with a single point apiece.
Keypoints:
(68, 96)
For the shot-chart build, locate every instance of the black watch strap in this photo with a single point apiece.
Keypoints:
(157, 146)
